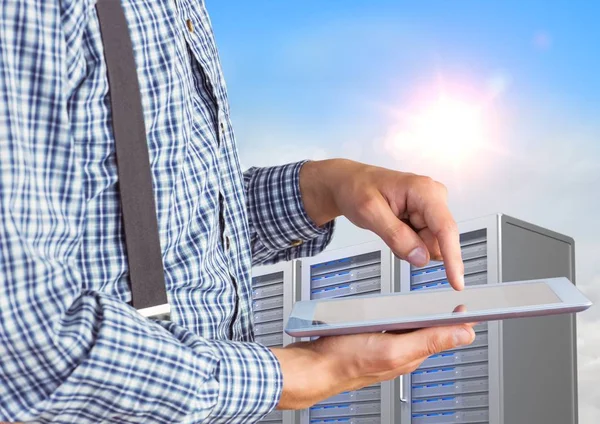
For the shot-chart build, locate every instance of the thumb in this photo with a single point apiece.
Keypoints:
(429, 341)
(404, 242)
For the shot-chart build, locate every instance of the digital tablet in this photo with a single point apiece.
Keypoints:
(405, 311)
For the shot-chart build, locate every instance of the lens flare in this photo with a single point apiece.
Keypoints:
(448, 131)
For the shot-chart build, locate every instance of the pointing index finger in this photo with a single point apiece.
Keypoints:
(444, 228)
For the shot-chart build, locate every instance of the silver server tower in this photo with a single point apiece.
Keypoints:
(274, 290)
(520, 371)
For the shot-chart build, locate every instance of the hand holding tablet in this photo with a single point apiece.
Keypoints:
(404, 311)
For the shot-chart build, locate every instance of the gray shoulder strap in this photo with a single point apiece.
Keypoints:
(135, 178)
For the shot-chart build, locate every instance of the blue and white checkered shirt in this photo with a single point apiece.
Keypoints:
(71, 348)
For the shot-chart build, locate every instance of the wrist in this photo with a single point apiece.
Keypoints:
(308, 376)
(317, 195)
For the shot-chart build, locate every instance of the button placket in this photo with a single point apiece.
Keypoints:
(222, 135)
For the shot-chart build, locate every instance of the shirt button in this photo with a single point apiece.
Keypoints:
(227, 243)
(190, 25)
(296, 243)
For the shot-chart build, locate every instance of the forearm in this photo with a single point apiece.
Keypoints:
(106, 361)
(280, 228)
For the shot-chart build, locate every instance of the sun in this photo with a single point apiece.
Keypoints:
(448, 130)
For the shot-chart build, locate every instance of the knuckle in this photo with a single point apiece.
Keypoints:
(428, 188)
(418, 181)
(441, 188)
(394, 233)
(426, 182)
(471, 336)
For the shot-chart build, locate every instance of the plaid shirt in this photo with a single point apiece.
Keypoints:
(71, 348)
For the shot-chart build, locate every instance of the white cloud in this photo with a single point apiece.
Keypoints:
(589, 370)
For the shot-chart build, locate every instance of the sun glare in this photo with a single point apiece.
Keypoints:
(447, 130)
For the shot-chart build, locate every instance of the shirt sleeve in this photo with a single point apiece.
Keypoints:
(69, 354)
(280, 228)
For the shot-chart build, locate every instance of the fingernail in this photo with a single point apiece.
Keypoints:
(462, 337)
(417, 257)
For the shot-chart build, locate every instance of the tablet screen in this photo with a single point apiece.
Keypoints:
(419, 305)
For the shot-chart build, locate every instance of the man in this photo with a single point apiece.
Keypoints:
(71, 347)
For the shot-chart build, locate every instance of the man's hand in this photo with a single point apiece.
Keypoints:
(314, 371)
(409, 212)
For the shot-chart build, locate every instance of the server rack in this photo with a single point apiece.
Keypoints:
(274, 290)
(354, 271)
(516, 371)
(453, 386)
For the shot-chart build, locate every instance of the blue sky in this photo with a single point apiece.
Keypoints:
(337, 78)
(370, 46)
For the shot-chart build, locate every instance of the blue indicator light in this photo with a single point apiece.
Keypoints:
(337, 261)
(327, 276)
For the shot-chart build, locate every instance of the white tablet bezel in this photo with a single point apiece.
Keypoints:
(572, 300)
